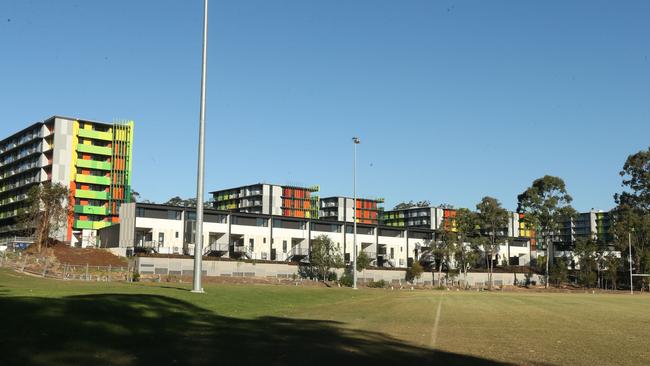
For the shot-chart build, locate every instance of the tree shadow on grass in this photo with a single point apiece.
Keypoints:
(157, 330)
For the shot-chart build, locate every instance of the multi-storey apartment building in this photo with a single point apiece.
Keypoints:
(594, 225)
(269, 199)
(340, 208)
(92, 159)
(423, 217)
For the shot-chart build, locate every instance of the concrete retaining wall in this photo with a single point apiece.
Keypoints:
(185, 267)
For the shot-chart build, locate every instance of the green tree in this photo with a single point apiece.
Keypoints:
(631, 217)
(324, 255)
(411, 204)
(415, 271)
(47, 211)
(586, 250)
(546, 204)
(363, 261)
(492, 219)
(559, 272)
(187, 202)
(443, 246)
(611, 265)
(466, 255)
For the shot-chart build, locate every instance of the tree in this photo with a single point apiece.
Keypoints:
(324, 256)
(363, 261)
(611, 266)
(467, 227)
(492, 219)
(443, 246)
(559, 272)
(175, 201)
(135, 196)
(47, 211)
(631, 217)
(411, 204)
(186, 202)
(415, 271)
(545, 205)
(586, 250)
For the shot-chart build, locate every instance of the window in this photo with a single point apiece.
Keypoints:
(177, 235)
(173, 215)
(249, 221)
(251, 243)
(392, 253)
(264, 240)
(284, 246)
(139, 212)
(161, 238)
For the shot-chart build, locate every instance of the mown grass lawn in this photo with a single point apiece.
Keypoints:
(47, 322)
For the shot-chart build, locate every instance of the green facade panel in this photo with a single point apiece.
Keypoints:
(90, 225)
(99, 195)
(93, 164)
(106, 136)
(99, 150)
(82, 178)
(91, 210)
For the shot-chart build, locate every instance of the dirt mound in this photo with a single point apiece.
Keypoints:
(66, 254)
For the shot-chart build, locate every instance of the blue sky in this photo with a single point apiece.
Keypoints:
(453, 100)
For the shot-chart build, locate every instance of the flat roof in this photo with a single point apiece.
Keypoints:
(312, 189)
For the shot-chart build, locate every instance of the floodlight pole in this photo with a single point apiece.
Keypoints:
(355, 141)
(198, 242)
(629, 242)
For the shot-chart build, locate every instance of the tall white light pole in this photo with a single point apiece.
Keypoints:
(629, 242)
(356, 141)
(198, 242)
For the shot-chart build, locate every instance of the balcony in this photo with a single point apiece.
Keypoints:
(93, 164)
(91, 225)
(299, 251)
(91, 149)
(106, 136)
(92, 179)
(100, 195)
(91, 210)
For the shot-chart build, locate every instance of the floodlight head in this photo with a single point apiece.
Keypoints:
(356, 140)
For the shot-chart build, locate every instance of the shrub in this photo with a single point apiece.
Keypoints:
(415, 271)
(332, 276)
(346, 280)
(377, 284)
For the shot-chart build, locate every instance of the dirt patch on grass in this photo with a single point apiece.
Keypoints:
(82, 256)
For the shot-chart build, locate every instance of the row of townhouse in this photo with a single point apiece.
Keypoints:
(226, 234)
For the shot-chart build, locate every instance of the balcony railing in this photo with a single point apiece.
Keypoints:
(299, 251)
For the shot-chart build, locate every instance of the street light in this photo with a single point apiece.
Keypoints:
(198, 242)
(356, 141)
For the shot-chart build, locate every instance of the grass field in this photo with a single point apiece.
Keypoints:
(47, 322)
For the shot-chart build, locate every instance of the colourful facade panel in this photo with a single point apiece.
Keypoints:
(93, 164)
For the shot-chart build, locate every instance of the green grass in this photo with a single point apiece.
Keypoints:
(46, 322)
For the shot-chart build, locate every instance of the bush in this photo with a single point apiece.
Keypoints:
(136, 276)
(346, 280)
(332, 276)
(377, 284)
(415, 271)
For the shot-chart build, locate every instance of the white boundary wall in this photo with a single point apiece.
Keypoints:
(212, 268)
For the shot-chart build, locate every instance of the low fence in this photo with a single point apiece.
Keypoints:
(47, 268)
